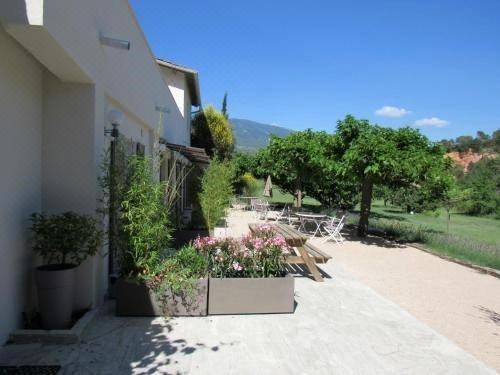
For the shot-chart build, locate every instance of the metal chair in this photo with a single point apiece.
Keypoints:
(333, 228)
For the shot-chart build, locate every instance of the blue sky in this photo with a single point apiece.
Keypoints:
(434, 64)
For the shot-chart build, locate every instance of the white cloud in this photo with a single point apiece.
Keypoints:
(390, 111)
(432, 121)
(274, 124)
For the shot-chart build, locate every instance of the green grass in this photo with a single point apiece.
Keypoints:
(468, 238)
(481, 229)
(281, 198)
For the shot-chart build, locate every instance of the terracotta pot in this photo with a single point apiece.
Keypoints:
(55, 284)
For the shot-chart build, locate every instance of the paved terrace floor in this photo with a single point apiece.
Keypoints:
(340, 326)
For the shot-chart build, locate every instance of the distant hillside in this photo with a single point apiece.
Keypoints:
(465, 159)
(251, 135)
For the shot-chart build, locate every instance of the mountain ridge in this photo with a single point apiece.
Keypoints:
(252, 135)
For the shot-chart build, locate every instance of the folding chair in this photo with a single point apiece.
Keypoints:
(283, 215)
(333, 229)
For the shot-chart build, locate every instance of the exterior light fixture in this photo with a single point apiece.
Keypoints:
(115, 118)
(116, 43)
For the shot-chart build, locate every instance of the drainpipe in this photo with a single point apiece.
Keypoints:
(115, 118)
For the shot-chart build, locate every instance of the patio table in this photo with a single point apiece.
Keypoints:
(249, 201)
(310, 218)
(297, 240)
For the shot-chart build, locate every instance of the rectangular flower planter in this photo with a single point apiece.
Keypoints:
(251, 295)
(134, 299)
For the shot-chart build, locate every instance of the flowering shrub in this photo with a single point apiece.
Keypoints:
(260, 255)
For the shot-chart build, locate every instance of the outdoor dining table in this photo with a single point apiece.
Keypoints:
(307, 217)
(249, 201)
(296, 240)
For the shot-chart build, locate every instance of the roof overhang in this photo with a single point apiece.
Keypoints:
(191, 76)
(194, 154)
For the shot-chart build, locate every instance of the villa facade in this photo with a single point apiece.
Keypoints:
(65, 65)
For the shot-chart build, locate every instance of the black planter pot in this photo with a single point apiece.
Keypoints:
(55, 285)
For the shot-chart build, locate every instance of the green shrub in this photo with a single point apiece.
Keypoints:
(67, 238)
(250, 184)
(145, 223)
(216, 191)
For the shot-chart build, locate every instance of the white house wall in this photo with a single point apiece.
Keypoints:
(20, 174)
(178, 119)
(57, 85)
(131, 77)
(69, 164)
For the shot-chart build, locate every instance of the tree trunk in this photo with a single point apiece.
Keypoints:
(298, 194)
(366, 203)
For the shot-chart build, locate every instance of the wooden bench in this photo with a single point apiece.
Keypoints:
(313, 252)
(305, 253)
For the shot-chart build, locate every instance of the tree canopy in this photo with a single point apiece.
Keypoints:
(398, 158)
(212, 131)
(336, 168)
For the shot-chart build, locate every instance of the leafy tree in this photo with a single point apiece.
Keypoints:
(385, 156)
(289, 161)
(224, 107)
(306, 162)
(212, 131)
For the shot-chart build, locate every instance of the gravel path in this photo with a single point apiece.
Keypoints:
(456, 301)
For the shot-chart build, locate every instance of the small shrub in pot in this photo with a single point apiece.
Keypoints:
(63, 241)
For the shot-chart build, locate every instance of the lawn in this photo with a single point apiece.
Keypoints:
(481, 229)
(281, 198)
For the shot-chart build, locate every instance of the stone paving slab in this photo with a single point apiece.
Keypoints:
(339, 327)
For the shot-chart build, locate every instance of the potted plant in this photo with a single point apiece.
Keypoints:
(248, 276)
(175, 286)
(63, 241)
(153, 281)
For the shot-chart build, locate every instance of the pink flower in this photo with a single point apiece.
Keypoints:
(237, 266)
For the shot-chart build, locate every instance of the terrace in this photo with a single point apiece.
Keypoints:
(339, 326)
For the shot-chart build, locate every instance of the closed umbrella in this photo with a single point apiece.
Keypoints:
(268, 189)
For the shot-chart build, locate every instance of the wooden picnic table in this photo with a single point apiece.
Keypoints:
(305, 254)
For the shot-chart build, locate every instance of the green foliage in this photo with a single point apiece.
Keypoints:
(146, 227)
(481, 143)
(243, 165)
(483, 183)
(304, 162)
(189, 259)
(250, 184)
(212, 131)
(397, 158)
(177, 277)
(67, 238)
(224, 107)
(216, 191)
